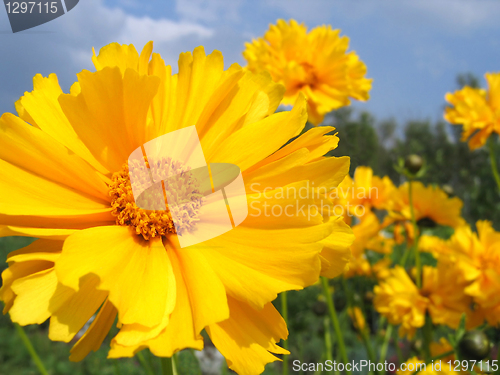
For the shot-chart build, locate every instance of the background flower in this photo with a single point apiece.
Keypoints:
(314, 63)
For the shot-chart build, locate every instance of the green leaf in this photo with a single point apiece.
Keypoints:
(187, 363)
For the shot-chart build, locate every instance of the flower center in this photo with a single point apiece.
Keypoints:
(310, 78)
(177, 181)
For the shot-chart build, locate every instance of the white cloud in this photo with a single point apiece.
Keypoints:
(64, 46)
(458, 15)
(114, 25)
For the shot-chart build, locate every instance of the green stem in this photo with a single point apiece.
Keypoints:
(427, 337)
(418, 264)
(284, 312)
(328, 341)
(168, 366)
(145, 365)
(31, 349)
(335, 321)
(493, 161)
(385, 343)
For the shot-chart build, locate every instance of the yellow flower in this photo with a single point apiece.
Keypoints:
(476, 257)
(399, 300)
(381, 269)
(357, 317)
(359, 195)
(478, 110)
(65, 180)
(444, 288)
(441, 347)
(381, 244)
(414, 365)
(366, 229)
(429, 202)
(315, 63)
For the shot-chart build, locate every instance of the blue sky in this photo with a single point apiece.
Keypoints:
(413, 50)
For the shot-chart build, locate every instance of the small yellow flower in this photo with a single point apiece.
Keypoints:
(399, 300)
(359, 195)
(366, 229)
(429, 202)
(381, 269)
(476, 257)
(314, 63)
(477, 110)
(413, 365)
(444, 288)
(357, 317)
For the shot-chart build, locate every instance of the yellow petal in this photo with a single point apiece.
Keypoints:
(43, 106)
(249, 336)
(294, 205)
(110, 113)
(67, 320)
(51, 234)
(30, 194)
(133, 271)
(245, 147)
(38, 295)
(241, 99)
(206, 294)
(46, 250)
(95, 334)
(197, 79)
(316, 141)
(179, 333)
(336, 252)
(256, 274)
(18, 271)
(324, 174)
(122, 56)
(33, 150)
(133, 334)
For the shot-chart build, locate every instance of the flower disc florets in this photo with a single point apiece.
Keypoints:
(154, 223)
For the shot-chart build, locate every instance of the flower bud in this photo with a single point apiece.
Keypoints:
(413, 163)
(474, 346)
(448, 190)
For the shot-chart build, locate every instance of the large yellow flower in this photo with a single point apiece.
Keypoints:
(315, 63)
(64, 179)
(477, 110)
